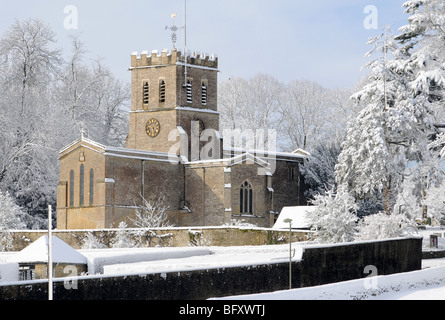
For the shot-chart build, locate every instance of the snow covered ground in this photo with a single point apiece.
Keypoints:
(425, 284)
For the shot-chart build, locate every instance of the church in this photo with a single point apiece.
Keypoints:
(175, 152)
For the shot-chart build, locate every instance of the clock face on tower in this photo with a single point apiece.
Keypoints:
(152, 128)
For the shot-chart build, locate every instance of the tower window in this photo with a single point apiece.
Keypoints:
(162, 91)
(246, 198)
(91, 186)
(204, 94)
(71, 188)
(81, 185)
(189, 92)
(145, 92)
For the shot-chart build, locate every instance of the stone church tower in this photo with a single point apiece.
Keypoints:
(174, 152)
(165, 99)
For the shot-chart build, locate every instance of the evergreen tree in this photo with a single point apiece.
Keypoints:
(372, 153)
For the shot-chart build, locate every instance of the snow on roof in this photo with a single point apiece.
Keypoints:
(297, 214)
(37, 252)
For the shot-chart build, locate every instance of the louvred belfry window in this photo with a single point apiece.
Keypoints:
(145, 92)
(162, 91)
(189, 92)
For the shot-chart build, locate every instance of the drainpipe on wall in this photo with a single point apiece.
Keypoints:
(204, 194)
(143, 178)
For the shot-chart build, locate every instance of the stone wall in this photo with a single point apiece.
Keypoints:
(171, 237)
(319, 265)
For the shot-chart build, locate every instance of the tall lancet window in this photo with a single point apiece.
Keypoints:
(246, 198)
(71, 188)
(189, 92)
(81, 185)
(91, 186)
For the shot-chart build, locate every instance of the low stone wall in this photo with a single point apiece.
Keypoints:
(171, 237)
(319, 265)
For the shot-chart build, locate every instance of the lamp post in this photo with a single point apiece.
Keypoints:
(290, 250)
(50, 258)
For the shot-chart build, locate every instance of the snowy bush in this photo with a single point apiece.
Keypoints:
(122, 238)
(10, 213)
(334, 220)
(383, 226)
(90, 241)
(10, 219)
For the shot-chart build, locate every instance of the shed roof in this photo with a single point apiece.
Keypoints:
(298, 215)
(37, 252)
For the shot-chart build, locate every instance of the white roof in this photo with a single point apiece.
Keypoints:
(297, 214)
(37, 252)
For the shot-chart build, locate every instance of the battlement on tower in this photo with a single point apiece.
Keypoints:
(167, 57)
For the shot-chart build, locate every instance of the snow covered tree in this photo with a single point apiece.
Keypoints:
(387, 133)
(28, 65)
(423, 62)
(93, 100)
(250, 106)
(382, 226)
(90, 241)
(10, 213)
(334, 220)
(122, 238)
(152, 214)
(10, 219)
(319, 169)
(37, 90)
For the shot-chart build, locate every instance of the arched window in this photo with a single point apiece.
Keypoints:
(71, 188)
(246, 198)
(204, 94)
(189, 92)
(162, 91)
(91, 186)
(81, 184)
(145, 92)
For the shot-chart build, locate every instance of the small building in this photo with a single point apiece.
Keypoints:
(298, 215)
(33, 260)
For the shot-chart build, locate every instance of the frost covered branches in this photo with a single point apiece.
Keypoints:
(45, 100)
(335, 218)
(303, 112)
(152, 214)
(394, 131)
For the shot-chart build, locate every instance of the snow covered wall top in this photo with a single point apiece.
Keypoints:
(167, 57)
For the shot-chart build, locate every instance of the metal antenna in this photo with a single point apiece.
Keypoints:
(173, 29)
(185, 43)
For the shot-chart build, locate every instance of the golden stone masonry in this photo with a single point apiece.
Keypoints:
(168, 155)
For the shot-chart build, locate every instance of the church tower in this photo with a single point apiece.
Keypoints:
(171, 97)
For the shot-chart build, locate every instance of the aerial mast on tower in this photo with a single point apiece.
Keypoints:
(174, 37)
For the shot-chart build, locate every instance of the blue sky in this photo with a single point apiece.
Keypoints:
(318, 40)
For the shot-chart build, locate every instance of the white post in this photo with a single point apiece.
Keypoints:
(50, 258)
(290, 251)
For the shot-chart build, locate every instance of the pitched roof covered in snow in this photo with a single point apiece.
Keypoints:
(37, 252)
(298, 215)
